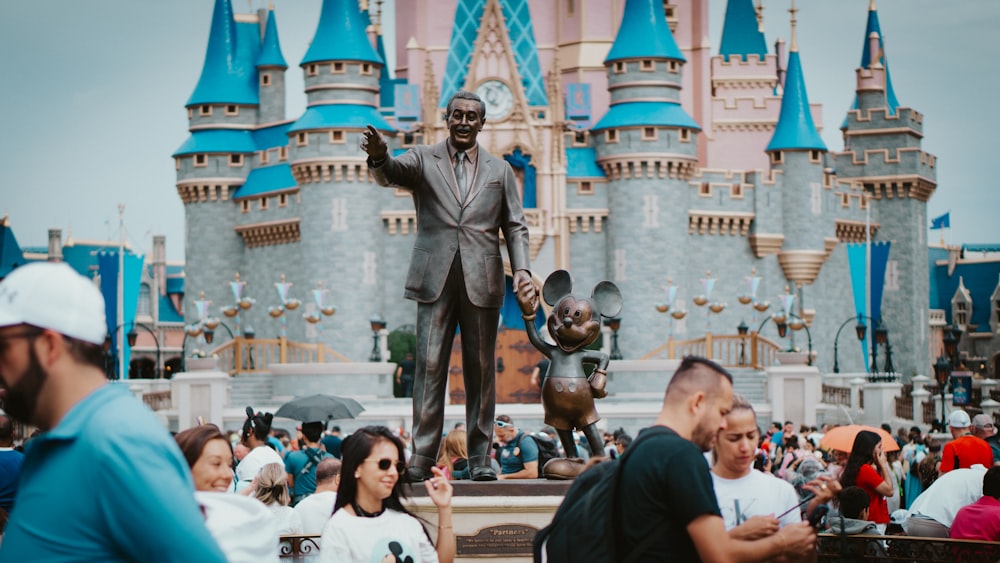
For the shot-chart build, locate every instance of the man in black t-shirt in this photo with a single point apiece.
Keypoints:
(666, 487)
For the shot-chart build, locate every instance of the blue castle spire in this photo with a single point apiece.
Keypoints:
(270, 51)
(795, 129)
(644, 34)
(341, 35)
(741, 35)
(866, 59)
(225, 77)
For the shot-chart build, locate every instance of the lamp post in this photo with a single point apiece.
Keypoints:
(742, 330)
(131, 336)
(942, 369)
(614, 323)
(859, 328)
(377, 324)
(781, 319)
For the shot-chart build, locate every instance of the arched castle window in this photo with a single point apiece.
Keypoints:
(312, 70)
(265, 79)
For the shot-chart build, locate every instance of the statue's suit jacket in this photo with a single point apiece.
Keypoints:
(446, 225)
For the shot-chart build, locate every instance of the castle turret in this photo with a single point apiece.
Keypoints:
(271, 68)
(340, 204)
(875, 50)
(217, 157)
(741, 34)
(745, 106)
(797, 152)
(646, 144)
(882, 153)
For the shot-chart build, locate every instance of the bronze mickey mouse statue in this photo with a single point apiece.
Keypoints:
(567, 393)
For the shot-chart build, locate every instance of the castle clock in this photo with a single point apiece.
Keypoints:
(498, 97)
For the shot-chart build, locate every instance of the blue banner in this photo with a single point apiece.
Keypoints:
(407, 102)
(856, 260)
(942, 222)
(880, 258)
(578, 102)
(107, 261)
(856, 257)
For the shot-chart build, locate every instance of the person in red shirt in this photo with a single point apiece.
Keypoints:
(965, 450)
(868, 468)
(981, 519)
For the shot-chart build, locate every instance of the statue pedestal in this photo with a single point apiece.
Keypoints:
(495, 520)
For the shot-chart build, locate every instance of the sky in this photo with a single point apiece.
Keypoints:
(92, 105)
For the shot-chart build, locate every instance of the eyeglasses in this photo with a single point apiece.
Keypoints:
(503, 424)
(385, 463)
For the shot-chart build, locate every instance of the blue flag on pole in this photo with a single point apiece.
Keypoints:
(942, 222)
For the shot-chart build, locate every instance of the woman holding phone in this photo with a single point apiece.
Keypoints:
(868, 468)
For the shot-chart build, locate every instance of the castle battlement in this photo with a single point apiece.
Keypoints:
(659, 165)
(753, 66)
(875, 116)
(337, 169)
(910, 158)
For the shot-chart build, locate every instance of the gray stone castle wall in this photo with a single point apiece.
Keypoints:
(272, 97)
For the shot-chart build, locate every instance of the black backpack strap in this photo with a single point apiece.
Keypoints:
(313, 454)
(657, 533)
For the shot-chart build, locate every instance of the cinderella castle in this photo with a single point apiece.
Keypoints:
(694, 179)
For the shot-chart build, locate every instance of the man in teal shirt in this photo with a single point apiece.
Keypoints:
(301, 464)
(104, 481)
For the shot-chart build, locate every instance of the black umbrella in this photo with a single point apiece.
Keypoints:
(318, 408)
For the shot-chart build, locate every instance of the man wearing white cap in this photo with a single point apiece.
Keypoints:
(104, 481)
(964, 450)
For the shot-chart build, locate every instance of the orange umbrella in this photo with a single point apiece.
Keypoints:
(842, 438)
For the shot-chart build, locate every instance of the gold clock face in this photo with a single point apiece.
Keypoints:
(498, 97)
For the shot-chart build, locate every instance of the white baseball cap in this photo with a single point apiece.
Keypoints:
(959, 419)
(53, 296)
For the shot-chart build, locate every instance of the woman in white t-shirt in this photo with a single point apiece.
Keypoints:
(753, 504)
(271, 489)
(369, 521)
(255, 430)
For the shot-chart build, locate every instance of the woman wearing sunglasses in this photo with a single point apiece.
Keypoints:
(369, 520)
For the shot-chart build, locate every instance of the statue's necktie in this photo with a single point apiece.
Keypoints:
(461, 176)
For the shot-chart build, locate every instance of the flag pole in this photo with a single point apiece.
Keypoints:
(122, 374)
(868, 274)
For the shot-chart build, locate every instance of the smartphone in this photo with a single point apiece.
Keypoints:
(817, 515)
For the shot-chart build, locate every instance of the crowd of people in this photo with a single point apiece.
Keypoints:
(702, 483)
